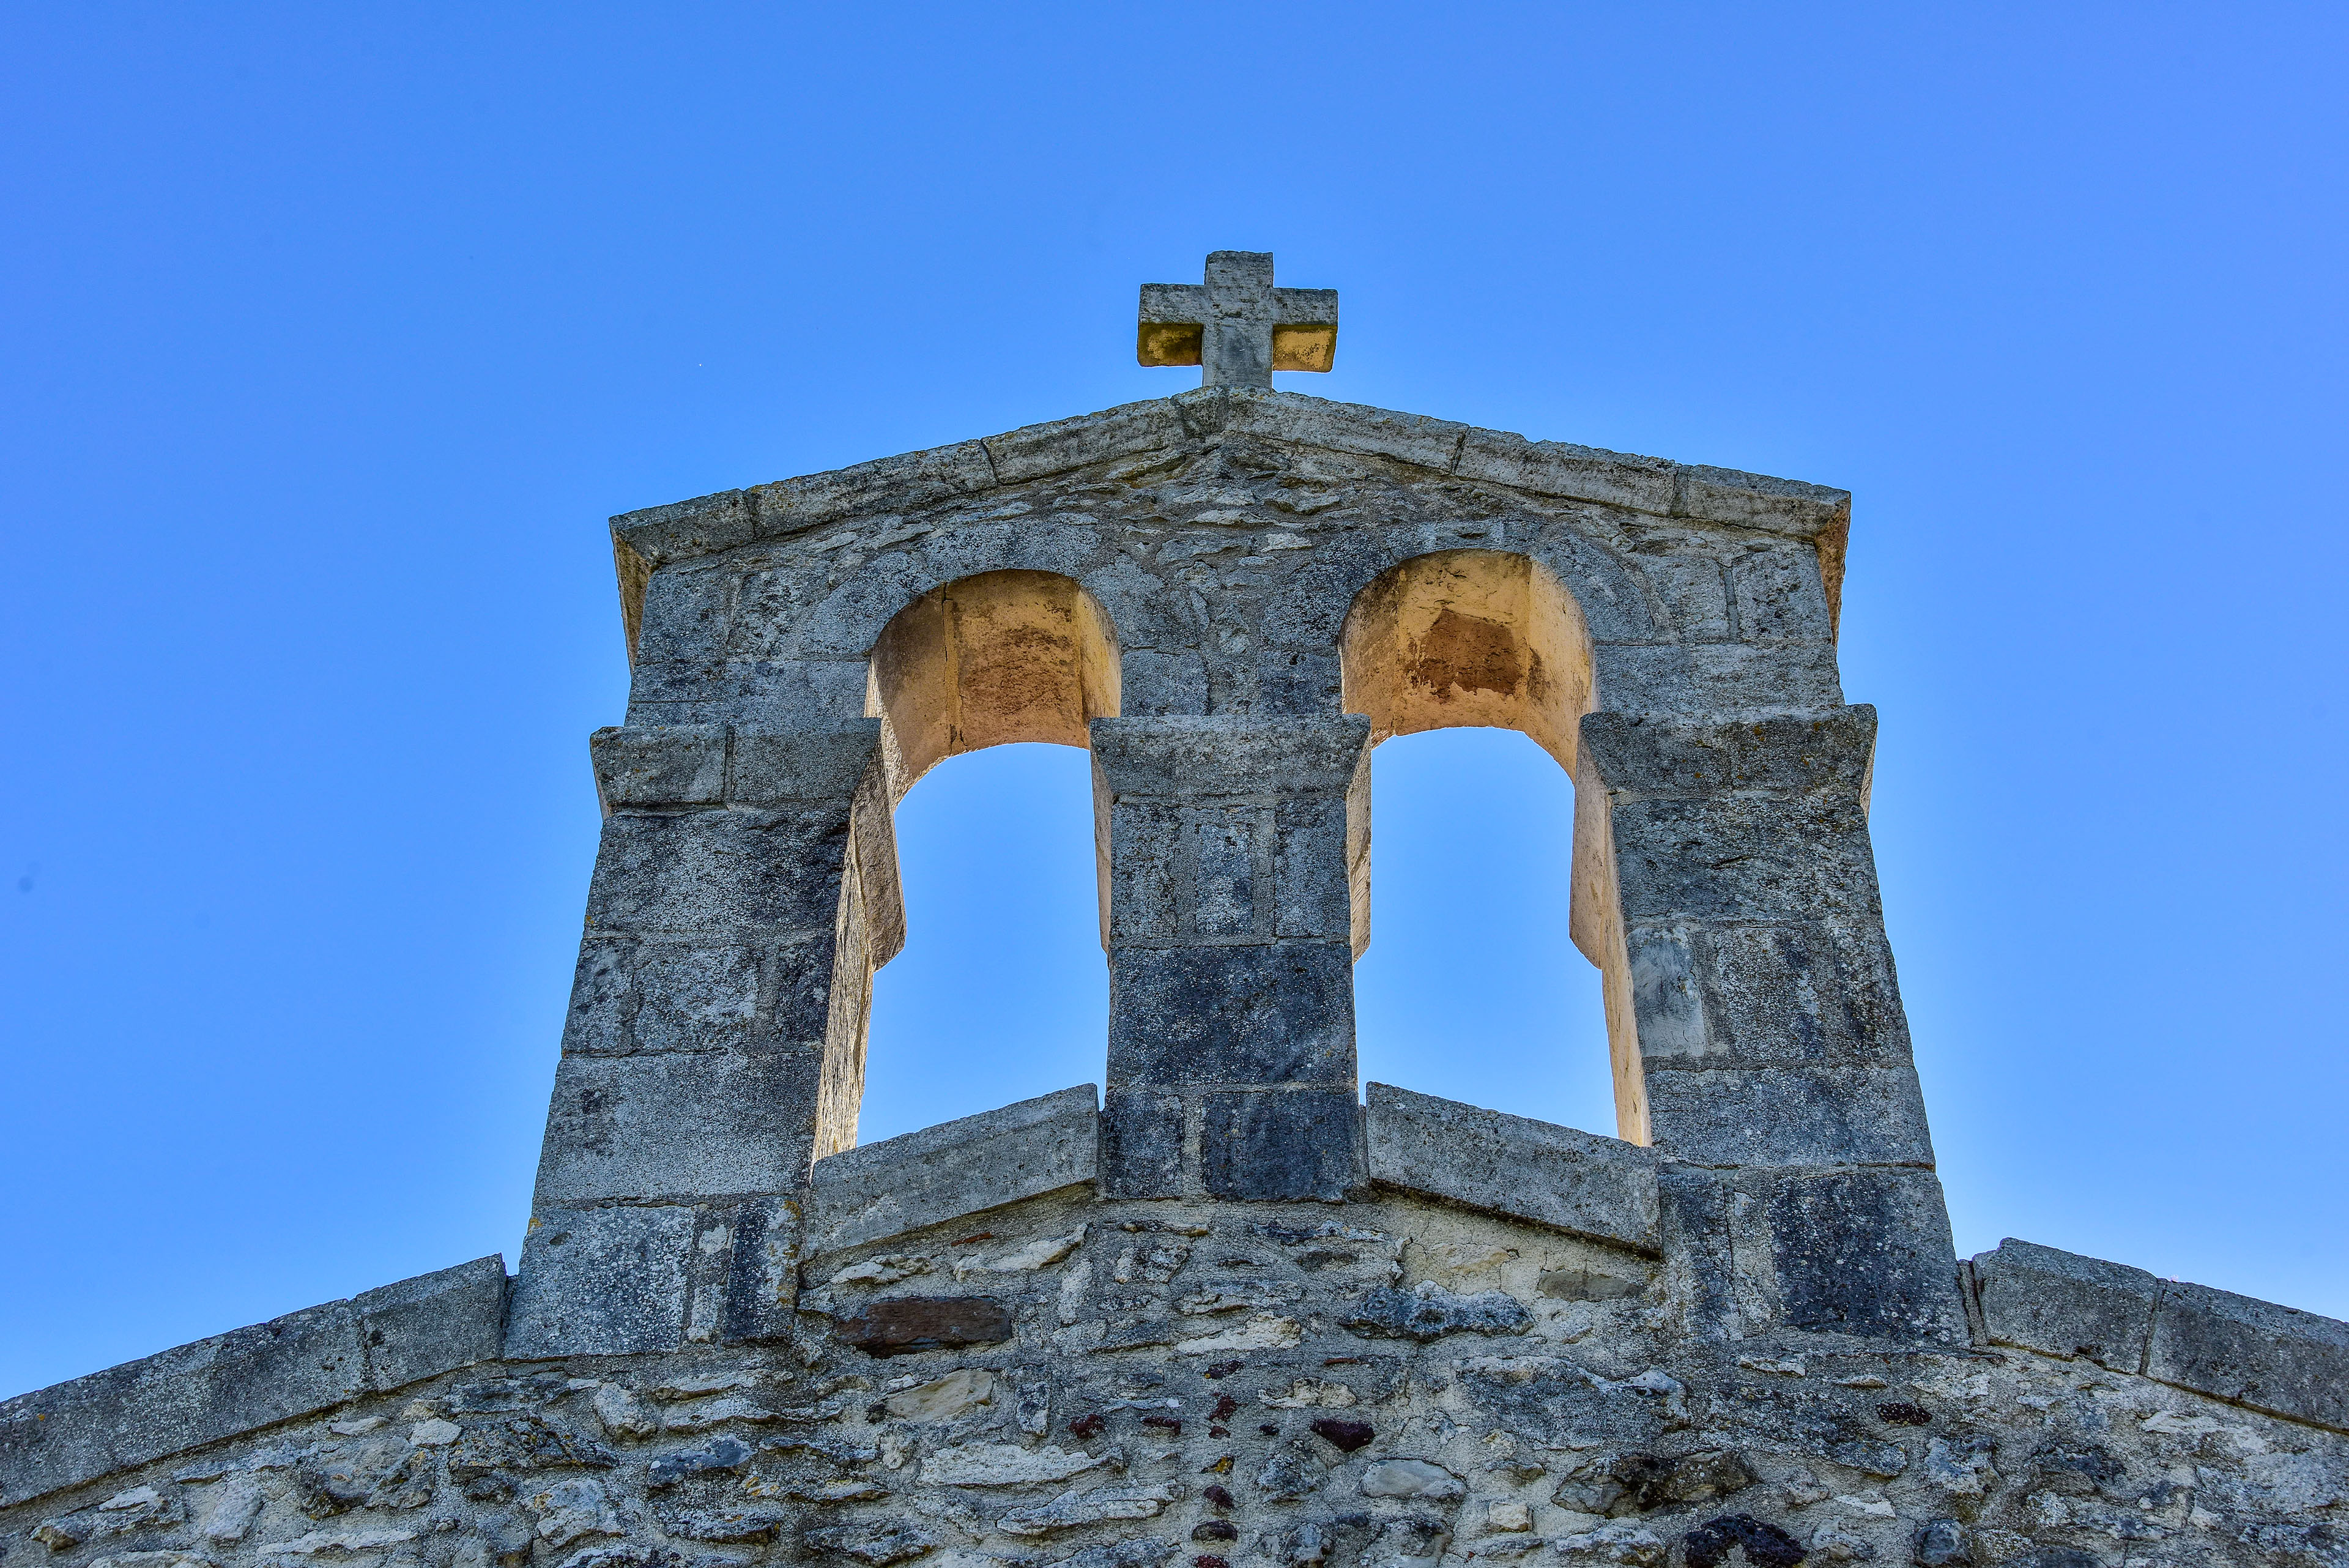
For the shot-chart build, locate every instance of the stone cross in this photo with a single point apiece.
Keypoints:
(1235, 326)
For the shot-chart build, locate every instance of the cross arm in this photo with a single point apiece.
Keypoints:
(1304, 329)
(1172, 324)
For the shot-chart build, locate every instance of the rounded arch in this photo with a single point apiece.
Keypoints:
(1492, 637)
(986, 660)
(1468, 638)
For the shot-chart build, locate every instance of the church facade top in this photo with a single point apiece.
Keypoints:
(1234, 1301)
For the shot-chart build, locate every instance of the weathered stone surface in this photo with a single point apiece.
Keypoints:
(954, 1170)
(1589, 1186)
(2060, 1303)
(2253, 1352)
(214, 1388)
(1430, 1312)
(602, 1282)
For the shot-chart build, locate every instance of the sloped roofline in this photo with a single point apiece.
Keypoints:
(729, 519)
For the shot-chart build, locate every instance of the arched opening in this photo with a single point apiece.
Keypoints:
(1000, 992)
(1487, 638)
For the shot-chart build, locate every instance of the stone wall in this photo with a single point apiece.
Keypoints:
(990, 1365)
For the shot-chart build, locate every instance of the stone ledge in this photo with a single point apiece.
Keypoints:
(955, 1169)
(213, 1388)
(2271, 1358)
(1599, 1187)
(706, 524)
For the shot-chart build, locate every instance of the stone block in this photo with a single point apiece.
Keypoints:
(1601, 1188)
(762, 1279)
(683, 764)
(953, 1169)
(2060, 1303)
(1737, 858)
(602, 1282)
(1784, 995)
(1312, 884)
(1787, 506)
(773, 767)
(1279, 1145)
(908, 1325)
(2269, 1357)
(1146, 877)
(1830, 751)
(1280, 1012)
(214, 1388)
(887, 485)
(628, 996)
(1192, 758)
(1780, 596)
(719, 874)
(1790, 1115)
(683, 529)
(1865, 1252)
(1561, 468)
(1034, 451)
(422, 1328)
(1743, 677)
(1344, 427)
(687, 614)
(677, 1126)
(1141, 1144)
(1827, 751)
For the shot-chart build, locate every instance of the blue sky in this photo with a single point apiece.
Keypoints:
(335, 334)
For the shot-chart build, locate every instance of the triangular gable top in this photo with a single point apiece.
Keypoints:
(967, 471)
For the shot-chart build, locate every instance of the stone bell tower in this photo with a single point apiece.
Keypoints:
(1231, 1309)
(1229, 596)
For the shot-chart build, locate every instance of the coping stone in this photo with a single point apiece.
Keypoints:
(730, 518)
(954, 1168)
(2272, 1359)
(214, 1388)
(2060, 1303)
(1600, 1187)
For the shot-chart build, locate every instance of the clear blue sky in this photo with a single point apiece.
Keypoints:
(333, 335)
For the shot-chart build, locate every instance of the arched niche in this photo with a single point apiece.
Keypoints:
(1491, 638)
(988, 660)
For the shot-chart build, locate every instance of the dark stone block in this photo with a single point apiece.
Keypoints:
(910, 1324)
(1865, 1252)
(762, 1272)
(715, 874)
(1141, 1145)
(1279, 1145)
(1281, 1012)
(1939, 1543)
(1766, 1545)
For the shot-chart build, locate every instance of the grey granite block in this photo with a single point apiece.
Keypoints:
(955, 1169)
(1790, 1115)
(213, 1388)
(422, 1328)
(1277, 1013)
(2269, 1357)
(602, 1282)
(1863, 1253)
(2060, 1303)
(677, 1126)
(1141, 1144)
(1561, 468)
(647, 765)
(1574, 1181)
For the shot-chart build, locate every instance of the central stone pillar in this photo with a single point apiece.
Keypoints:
(1798, 1181)
(1234, 898)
